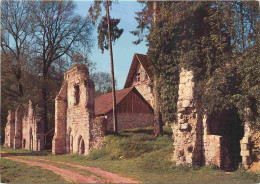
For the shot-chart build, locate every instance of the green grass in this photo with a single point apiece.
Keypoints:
(16, 172)
(70, 168)
(137, 154)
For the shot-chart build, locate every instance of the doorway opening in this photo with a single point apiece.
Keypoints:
(228, 125)
(81, 145)
(30, 139)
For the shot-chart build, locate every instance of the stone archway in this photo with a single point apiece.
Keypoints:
(71, 144)
(81, 145)
(24, 143)
(229, 127)
(69, 141)
(30, 139)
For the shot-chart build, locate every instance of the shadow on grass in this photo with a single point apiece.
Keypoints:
(128, 133)
(147, 131)
(38, 153)
(116, 134)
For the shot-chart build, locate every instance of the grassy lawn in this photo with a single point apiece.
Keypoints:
(16, 172)
(137, 154)
(70, 168)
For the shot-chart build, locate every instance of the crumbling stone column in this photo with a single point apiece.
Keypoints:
(58, 143)
(39, 129)
(10, 129)
(246, 151)
(99, 126)
(30, 126)
(18, 127)
(245, 143)
(188, 139)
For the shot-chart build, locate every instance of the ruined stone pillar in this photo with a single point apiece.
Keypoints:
(188, 139)
(10, 129)
(30, 129)
(90, 108)
(59, 143)
(245, 143)
(18, 127)
(39, 129)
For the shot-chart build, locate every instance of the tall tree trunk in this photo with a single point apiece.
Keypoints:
(157, 124)
(19, 77)
(18, 70)
(112, 70)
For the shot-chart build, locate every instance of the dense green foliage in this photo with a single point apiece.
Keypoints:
(219, 43)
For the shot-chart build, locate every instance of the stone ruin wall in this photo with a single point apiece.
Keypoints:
(193, 143)
(248, 143)
(187, 139)
(18, 127)
(76, 128)
(97, 134)
(25, 128)
(9, 130)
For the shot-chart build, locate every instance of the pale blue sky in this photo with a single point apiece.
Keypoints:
(123, 48)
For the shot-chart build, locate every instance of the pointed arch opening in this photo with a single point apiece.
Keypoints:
(81, 145)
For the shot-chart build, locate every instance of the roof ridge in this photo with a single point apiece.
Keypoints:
(106, 100)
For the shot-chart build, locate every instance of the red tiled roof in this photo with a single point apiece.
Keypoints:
(143, 60)
(104, 103)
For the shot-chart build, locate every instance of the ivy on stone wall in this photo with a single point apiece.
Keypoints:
(221, 48)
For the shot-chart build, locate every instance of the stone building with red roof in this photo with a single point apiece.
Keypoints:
(133, 111)
(139, 76)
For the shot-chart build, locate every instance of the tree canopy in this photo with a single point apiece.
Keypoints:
(222, 48)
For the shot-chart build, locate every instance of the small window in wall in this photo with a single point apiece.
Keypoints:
(151, 89)
(138, 77)
(76, 91)
(146, 76)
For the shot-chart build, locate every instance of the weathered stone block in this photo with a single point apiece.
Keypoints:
(245, 153)
(246, 160)
(245, 140)
(186, 103)
(184, 126)
(181, 109)
(244, 146)
(181, 121)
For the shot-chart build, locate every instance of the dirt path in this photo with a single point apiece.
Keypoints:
(64, 173)
(73, 176)
(111, 177)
